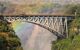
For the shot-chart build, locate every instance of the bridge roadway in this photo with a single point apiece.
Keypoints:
(53, 23)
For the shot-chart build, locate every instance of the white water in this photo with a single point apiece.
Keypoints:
(34, 37)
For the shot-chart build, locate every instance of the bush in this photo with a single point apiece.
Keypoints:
(8, 38)
(67, 44)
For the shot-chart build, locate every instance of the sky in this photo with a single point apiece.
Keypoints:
(35, 1)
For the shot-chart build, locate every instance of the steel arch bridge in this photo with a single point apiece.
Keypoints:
(53, 23)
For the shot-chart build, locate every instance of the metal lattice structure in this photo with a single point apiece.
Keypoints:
(55, 24)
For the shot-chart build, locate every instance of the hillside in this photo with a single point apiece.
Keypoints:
(35, 6)
(41, 8)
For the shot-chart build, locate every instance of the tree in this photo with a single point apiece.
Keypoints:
(73, 9)
(8, 39)
(73, 41)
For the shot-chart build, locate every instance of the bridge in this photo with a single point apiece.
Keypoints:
(56, 24)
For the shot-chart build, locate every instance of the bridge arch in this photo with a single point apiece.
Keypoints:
(54, 24)
(59, 36)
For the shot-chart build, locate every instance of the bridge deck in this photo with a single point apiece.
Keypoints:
(51, 15)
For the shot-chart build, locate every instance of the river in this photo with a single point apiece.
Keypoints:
(34, 37)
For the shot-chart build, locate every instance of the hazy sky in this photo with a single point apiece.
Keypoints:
(33, 1)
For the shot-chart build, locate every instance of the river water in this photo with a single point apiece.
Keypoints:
(34, 37)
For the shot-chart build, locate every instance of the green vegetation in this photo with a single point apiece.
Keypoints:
(8, 38)
(67, 44)
(73, 40)
(74, 26)
(72, 9)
